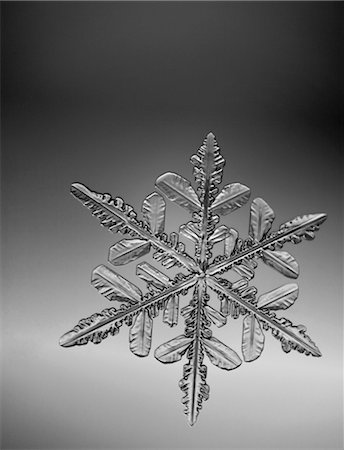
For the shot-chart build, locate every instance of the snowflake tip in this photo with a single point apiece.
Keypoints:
(65, 340)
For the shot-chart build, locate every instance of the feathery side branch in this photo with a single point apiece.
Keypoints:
(108, 211)
(193, 384)
(298, 336)
(278, 238)
(95, 326)
(208, 166)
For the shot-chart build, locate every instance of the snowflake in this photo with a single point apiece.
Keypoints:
(201, 273)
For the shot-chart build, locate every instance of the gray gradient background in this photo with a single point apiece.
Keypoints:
(113, 95)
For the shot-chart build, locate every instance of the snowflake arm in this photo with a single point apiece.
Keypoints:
(294, 230)
(292, 337)
(116, 215)
(100, 325)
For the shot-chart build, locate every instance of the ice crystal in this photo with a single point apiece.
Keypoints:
(201, 272)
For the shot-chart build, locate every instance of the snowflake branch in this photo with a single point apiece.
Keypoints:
(98, 326)
(115, 215)
(299, 228)
(193, 383)
(208, 166)
(282, 329)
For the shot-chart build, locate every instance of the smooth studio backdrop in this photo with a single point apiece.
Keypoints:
(113, 95)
